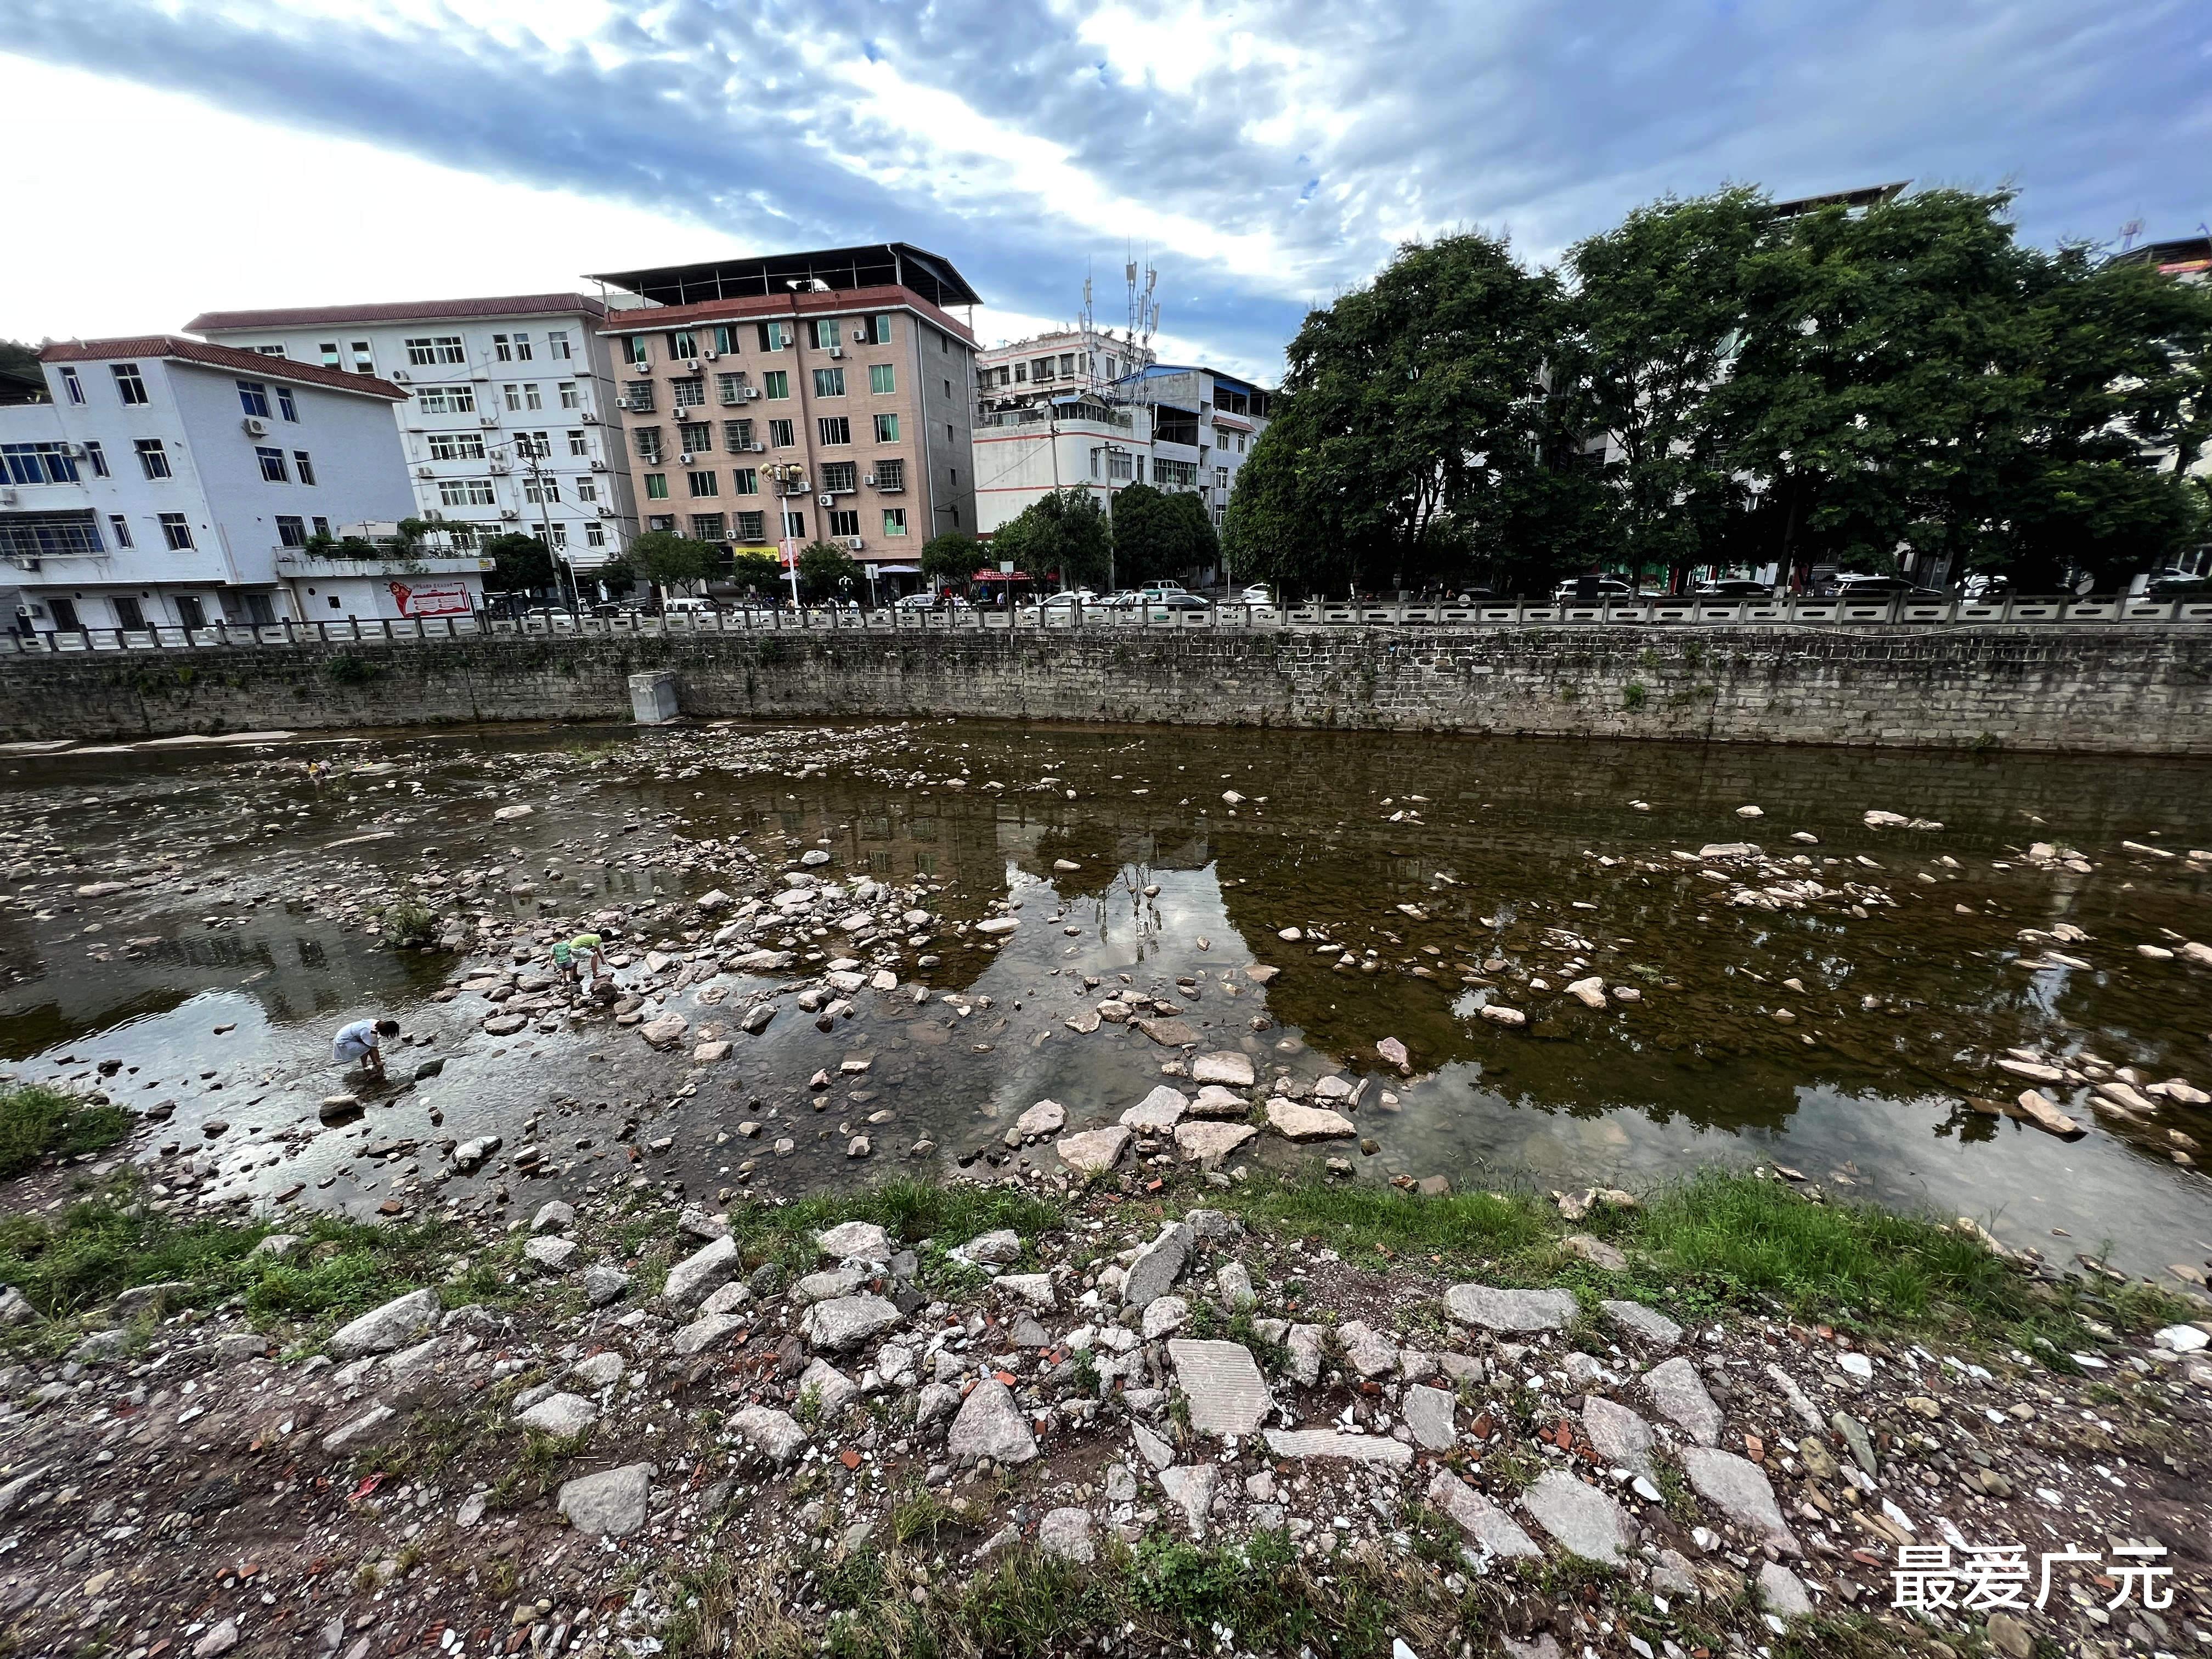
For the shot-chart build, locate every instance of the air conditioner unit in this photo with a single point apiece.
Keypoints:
(75, 451)
(588, 418)
(684, 459)
(836, 351)
(598, 466)
(755, 448)
(859, 336)
(869, 479)
(487, 420)
(402, 376)
(751, 392)
(434, 516)
(709, 356)
(426, 473)
(10, 497)
(854, 543)
(826, 499)
(692, 364)
(510, 513)
(498, 466)
(255, 426)
(607, 513)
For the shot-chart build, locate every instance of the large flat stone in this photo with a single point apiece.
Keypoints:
(1618, 1434)
(1429, 1413)
(847, 1322)
(1093, 1151)
(1652, 1329)
(1157, 1266)
(1225, 1067)
(1740, 1490)
(1209, 1143)
(775, 1435)
(1168, 1033)
(990, 1425)
(1297, 1122)
(1192, 1488)
(1494, 1532)
(1158, 1112)
(1680, 1393)
(1584, 1521)
(609, 1505)
(1222, 1382)
(702, 1273)
(564, 1415)
(1326, 1443)
(1511, 1310)
(397, 1323)
(854, 1240)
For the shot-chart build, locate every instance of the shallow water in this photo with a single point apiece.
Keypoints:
(1497, 845)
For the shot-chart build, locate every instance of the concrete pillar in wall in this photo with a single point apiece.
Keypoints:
(652, 697)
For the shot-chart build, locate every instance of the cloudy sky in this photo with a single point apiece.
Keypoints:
(197, 154)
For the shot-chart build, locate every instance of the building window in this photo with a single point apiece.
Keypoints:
(511, 348)
(273, 470)
(177, 533)
(524, 397)
(532, 446)
(689, 392)
(39, 535)
(882, 377)
(697, 436)
(894, 521)
(1041, 370)
(1221, 477)
(775, 337)
(328, 351)
(587, 488)
(683, 342)
(829, 382)
(153, 458)
(579, 443)
(121, 527)
(447, 400)
(556, 344)
(729, 388)
(542, 489)
(661, 521)
(422, 351)
(364, 358)
(559, 533)
(646, 438)
(595, 535)
(702, 483)
(286, 404)
(291, 531)
(1021, 374)
(887, 428)
(710, 527)
(839, 477)
(457, 446)
(779, 435)
(98, 457)
(466, 492)
(637, 396)
(1066, 365)
(72, 386)
(776, 384)
(634, 349)
(253, 397)
(745, 480)
(305, 466)
(656, 486)
(752, 527)
(794, 526)
(128, 385)
(833, 429)
(322, 525)
(726, 338)
(738, 436)
(845, 522)
(878, 328)
(570, 398)
(890, 475)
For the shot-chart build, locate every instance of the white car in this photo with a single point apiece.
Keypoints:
(1258, 593)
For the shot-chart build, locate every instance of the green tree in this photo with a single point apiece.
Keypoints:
(521, 564)
(1407, 440)
(823, 565)
(1657, 311)
(952, 556)
(22, 359)
(1063, 536)
(1152, 536)
(662, 559)
(757, 572)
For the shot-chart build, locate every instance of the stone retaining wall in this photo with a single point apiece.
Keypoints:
(2118, 691)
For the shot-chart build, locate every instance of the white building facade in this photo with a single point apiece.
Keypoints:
(166, 481)
(510, 423)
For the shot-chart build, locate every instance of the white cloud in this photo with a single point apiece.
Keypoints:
(186, 208)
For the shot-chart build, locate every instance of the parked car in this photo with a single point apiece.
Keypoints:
(1985, 585)
(1161, 589)
(1591, 590)
(932, 602)
(1471, 595)
(1857, 586)
(1733, 588)
(1164, 606)
(1257, 594)
(2176, 585)
(684, 605)
(1123, 599)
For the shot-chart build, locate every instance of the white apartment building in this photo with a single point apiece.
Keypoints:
(1070, 362)
(510, 421)
(1178, 427)
(165, 482)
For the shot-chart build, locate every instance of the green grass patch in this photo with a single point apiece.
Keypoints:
(1381, 1223)
(35, 1121)
(908, 1210)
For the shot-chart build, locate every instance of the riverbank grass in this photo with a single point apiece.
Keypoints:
(36, 1122)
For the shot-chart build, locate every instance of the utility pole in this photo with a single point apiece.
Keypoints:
(532, 454)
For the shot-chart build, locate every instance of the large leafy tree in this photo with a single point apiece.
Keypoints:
(1064, 536)
(1158, 532)
(827, 571)
(662, 559)
(1658, 311)
(1408, 438)
(756, 572)
(521, 564)
(952, 556)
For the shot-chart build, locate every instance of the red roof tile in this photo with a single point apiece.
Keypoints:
(220, 356)
(397, 311)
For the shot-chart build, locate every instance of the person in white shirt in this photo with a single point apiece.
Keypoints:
(363, 1040)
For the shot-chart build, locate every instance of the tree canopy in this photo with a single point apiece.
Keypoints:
(823, 565)
(1710, 383)
(1064, 536)
(521, 564)
(1158, 532)
(662, 558)
(951, 555)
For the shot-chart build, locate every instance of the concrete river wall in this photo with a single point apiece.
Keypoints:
(2117, 690)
